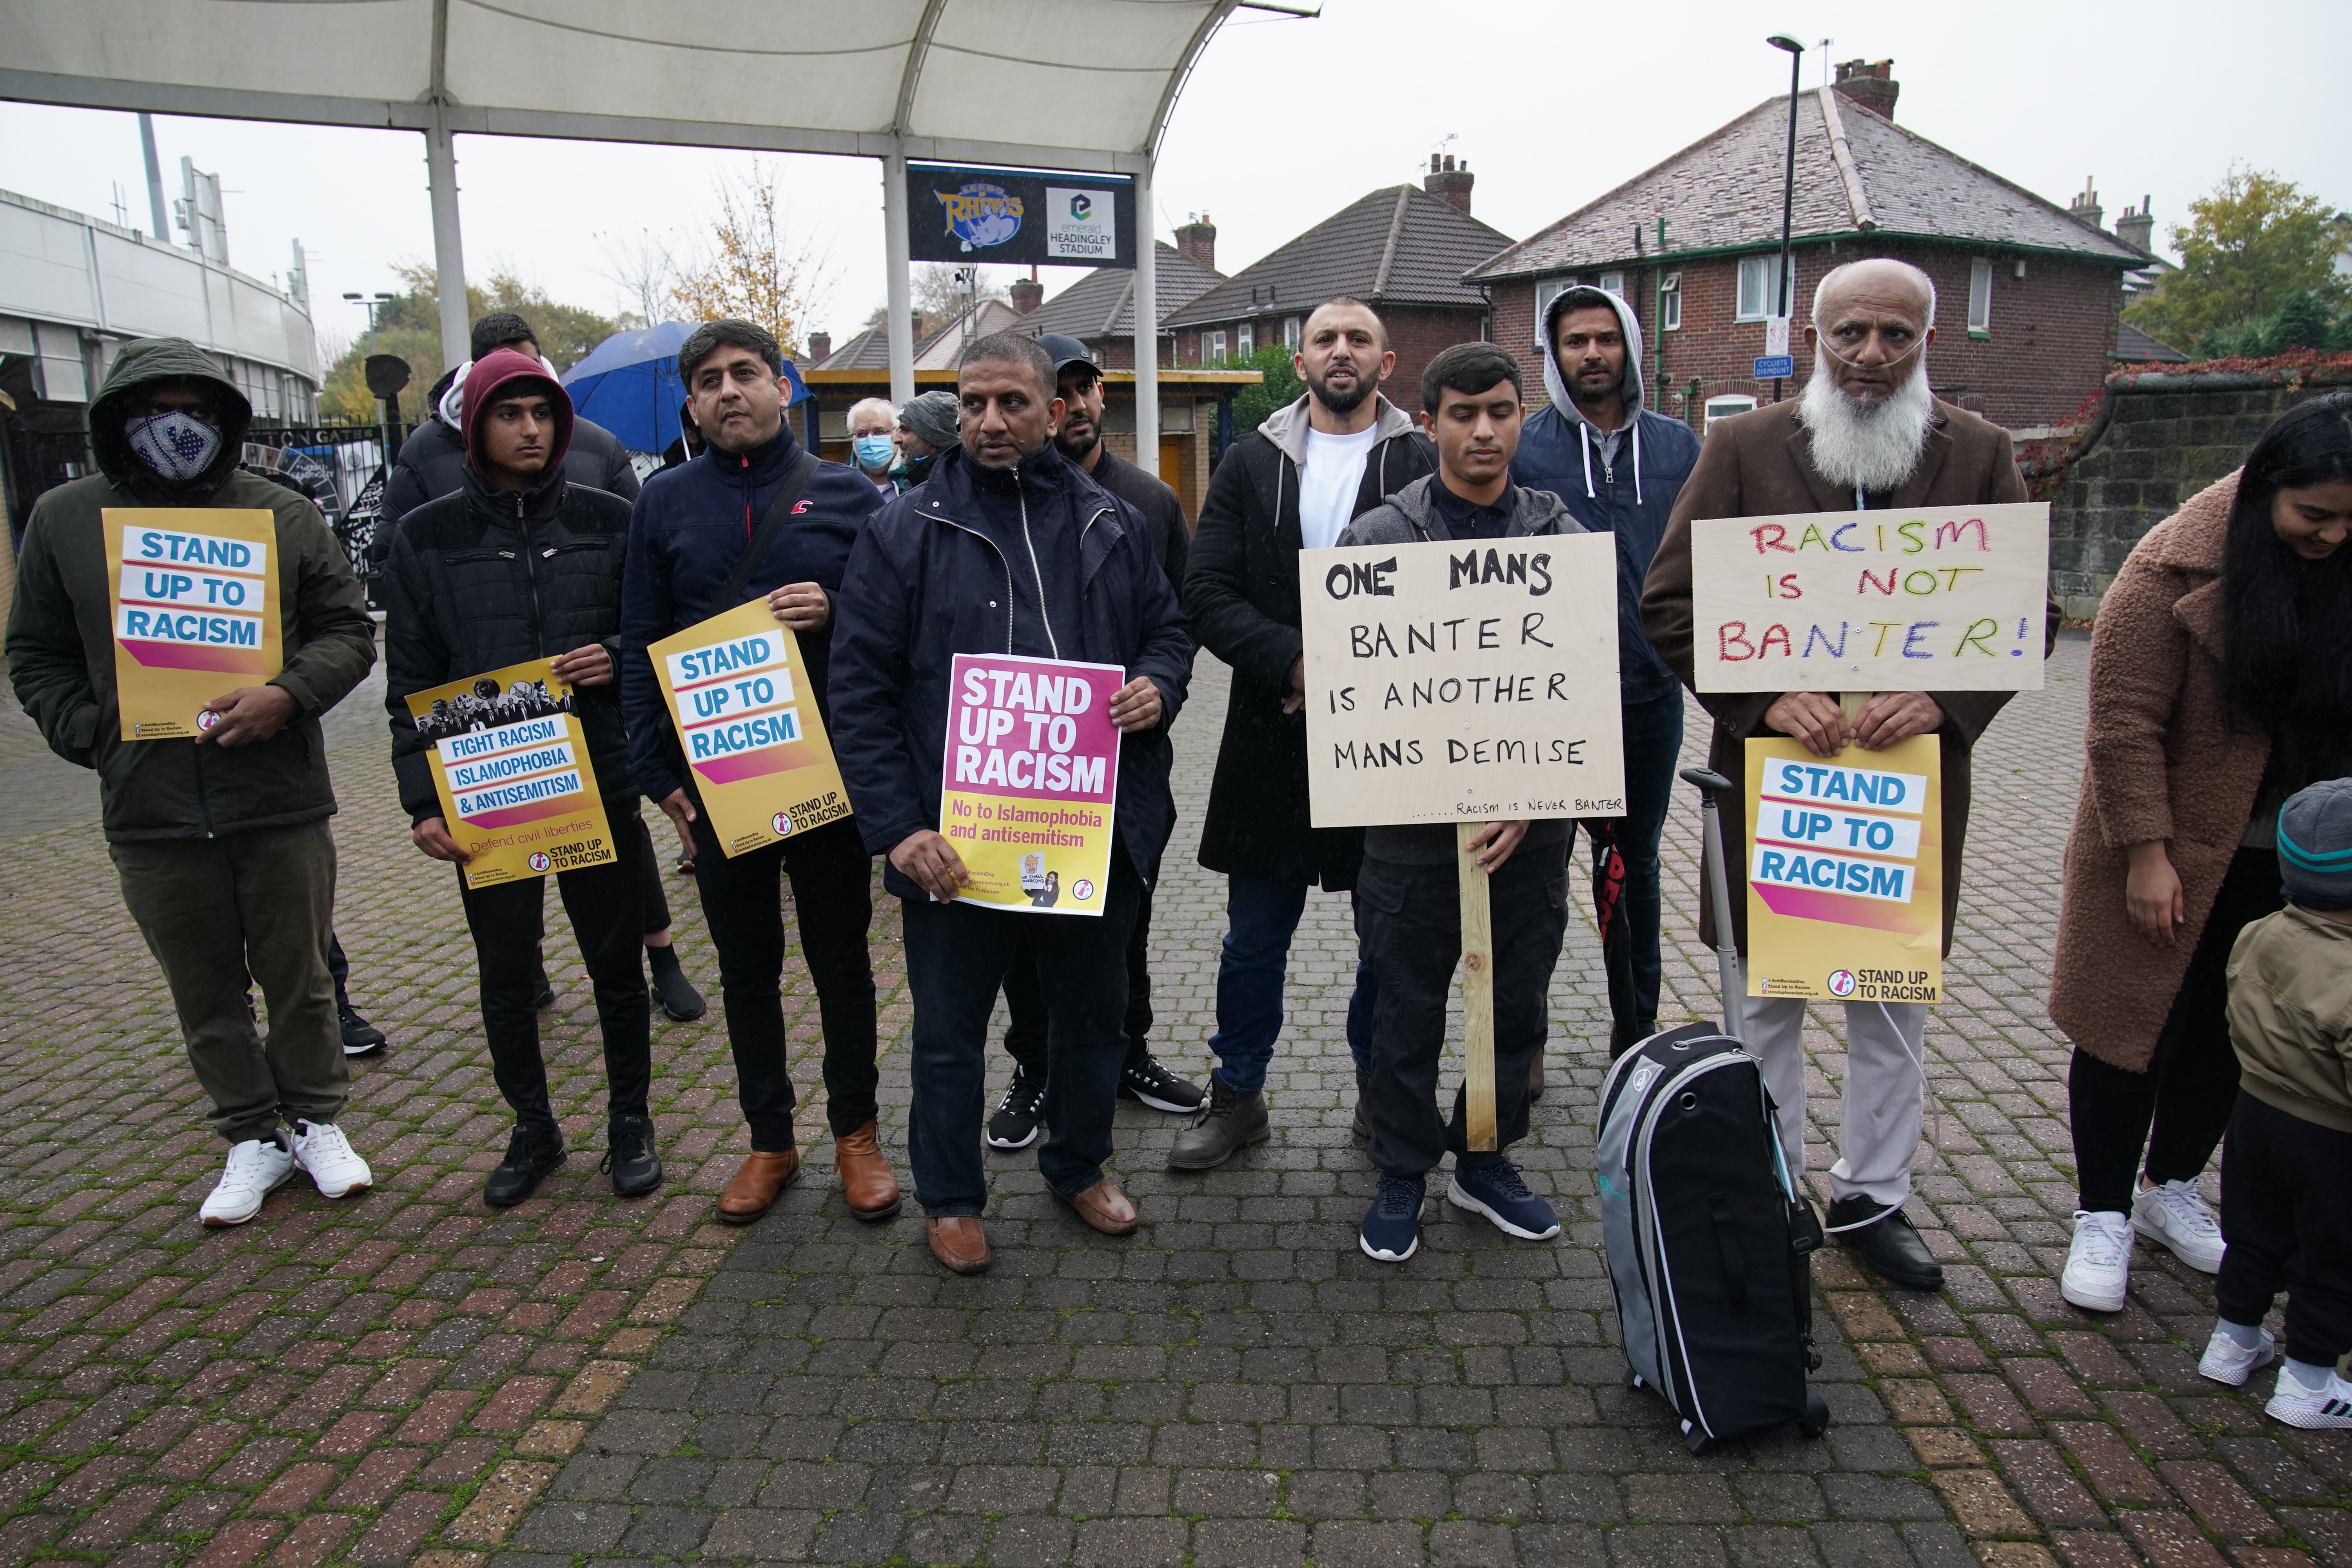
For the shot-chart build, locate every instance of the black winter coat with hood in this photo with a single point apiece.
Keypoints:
(486, 578)
(1241, 592)
(432, 464)
(61, 629)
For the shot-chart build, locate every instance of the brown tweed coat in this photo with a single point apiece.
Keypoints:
(2162, 760)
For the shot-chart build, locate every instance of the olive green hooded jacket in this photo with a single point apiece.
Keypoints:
(61, 649)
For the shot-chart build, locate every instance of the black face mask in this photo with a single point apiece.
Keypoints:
(915, 470)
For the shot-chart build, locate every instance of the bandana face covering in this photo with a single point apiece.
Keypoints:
(178, 447)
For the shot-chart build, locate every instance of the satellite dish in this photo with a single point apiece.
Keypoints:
(386, 375)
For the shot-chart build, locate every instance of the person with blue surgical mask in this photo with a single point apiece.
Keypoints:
(871, 421)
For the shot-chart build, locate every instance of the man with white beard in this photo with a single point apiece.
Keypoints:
(1867, 435)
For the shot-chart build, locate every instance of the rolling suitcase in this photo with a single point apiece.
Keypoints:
(1709, 1241)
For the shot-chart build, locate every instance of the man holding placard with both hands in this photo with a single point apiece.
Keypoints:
(1867, 436)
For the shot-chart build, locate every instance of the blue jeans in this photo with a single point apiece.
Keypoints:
(1261, 917)
(957, 956)
(1654, 745)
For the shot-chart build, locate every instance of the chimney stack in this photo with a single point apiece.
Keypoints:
(1870, 84)
(1197, 241)
(1026, 294)
(1448, 183)
(820, 347)
(2087, 205)
(2137, 228)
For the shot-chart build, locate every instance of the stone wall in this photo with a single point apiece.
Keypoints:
(2157, 438)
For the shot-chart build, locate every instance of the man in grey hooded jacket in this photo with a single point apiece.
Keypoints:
(1619, 469)
(1407, 908)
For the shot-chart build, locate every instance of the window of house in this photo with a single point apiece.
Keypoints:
(1290, 333)
(1670, 301)
(1980, 296)
(1213, 347)
(1547, 290)
(1245, 339)
(1756, 301)
(1725, 406)
(1614, 282)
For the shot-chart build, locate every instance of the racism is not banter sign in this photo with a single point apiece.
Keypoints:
(1457, 681)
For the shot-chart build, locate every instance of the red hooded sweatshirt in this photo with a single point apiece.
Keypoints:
(498, 373)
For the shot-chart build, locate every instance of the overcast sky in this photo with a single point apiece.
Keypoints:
(1286, 120)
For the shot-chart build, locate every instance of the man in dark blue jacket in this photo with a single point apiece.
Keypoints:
(1008, 548)
(1619, 468)
(690, 528)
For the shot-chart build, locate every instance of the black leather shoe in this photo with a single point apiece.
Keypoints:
(532, 1153)
(1886, 1242)
(629, 1155)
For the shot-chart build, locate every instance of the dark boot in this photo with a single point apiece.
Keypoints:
(1886, 1242)
(535, 1152)
(673, 992)
(629, 1155)
(1232, 1121)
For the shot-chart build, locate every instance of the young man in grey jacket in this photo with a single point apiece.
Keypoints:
(1408, 909)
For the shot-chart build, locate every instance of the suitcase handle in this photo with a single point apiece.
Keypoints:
(1710, 784)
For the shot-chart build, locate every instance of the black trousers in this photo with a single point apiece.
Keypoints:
(742, 901)
(1024, 999)
(2176, 1109)
(656, 898)
(2284, 1182)
(1408, 920)
(604, 904)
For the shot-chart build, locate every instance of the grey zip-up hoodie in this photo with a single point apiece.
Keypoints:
(1629, 387)
(1287, 428)
(1410, 517)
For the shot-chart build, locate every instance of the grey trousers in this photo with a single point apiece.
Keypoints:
(221, 914)
(1885, 1076)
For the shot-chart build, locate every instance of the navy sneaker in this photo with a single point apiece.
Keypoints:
(1496, 1191)
(1391, 1230)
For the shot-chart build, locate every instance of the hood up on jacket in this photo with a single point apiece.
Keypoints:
(1287, 427)
(490, 374)
(448, 393)
(1583, 297)
(142, 364)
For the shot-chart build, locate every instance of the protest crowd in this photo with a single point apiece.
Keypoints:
(2203, 971)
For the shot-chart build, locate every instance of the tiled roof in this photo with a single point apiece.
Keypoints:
(1724, 192)
(2136, 347)
(1102, 303)
(1399, 245)
(870, 349)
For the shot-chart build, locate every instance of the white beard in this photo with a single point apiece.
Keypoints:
(1874, 445)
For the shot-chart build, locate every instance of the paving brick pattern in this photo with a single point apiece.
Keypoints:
(409, 1377)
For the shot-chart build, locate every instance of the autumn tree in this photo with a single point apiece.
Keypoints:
(409, 325)
(2252, 245)
(756, 269)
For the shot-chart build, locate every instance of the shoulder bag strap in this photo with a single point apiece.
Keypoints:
(730, 592)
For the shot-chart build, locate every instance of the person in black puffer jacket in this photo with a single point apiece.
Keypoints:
(522, 564)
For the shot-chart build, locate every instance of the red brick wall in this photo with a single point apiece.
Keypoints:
(2045, 353)
(1416, 333)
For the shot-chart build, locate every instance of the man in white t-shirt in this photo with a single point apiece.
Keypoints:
(1292, 484)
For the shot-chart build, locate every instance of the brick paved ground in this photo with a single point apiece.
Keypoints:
(409, 1377)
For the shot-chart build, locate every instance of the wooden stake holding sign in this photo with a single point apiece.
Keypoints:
(1459, 684)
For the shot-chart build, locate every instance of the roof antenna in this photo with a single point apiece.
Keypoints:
(1825, 60)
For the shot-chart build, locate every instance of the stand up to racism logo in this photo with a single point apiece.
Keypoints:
(981, 214)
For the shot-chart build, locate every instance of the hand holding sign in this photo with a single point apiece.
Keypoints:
(249, 714)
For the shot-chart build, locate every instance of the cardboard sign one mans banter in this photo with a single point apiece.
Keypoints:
(1845, 860)
(1463, 682)
(749, 728)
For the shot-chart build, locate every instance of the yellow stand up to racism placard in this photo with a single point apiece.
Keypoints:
(1845, 872)
(510, 765)
(749, 727)
(194, 606)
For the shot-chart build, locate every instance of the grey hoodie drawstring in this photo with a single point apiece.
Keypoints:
(1637, 456)
(1584, 445)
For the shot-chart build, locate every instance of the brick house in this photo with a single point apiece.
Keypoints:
(2027, 292)
(1402, 250)
(1098, 310)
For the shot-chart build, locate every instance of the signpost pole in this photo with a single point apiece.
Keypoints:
(1477, 995)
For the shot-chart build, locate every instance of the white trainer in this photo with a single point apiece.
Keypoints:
(2175, 1215)
(2309, 1408)
(2227, 1361)
(327, 1156)
(2098, 1265)
(256, 1168)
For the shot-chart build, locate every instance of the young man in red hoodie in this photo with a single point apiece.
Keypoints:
(520, 564)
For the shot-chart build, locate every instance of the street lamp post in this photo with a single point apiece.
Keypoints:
(1796, 52)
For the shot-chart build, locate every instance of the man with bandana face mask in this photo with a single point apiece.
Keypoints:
(220, 842)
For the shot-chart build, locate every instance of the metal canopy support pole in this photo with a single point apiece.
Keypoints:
(1146, 330)
(895, 243)
(448, 244)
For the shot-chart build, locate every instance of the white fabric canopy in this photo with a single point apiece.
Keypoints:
(1055, 83)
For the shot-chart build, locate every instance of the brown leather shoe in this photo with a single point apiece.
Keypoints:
(752, 1190)
(1534, 1078)
(958, 1242)
(866, 1184)
(1106, 1208)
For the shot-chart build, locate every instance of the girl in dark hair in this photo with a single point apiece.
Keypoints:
(2220, 684)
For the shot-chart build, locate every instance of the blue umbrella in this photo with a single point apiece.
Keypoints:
(629, 384)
